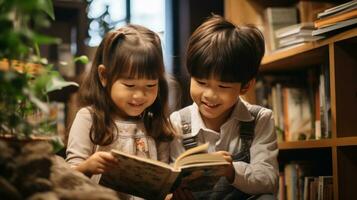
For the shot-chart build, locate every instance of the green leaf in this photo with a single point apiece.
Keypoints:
(82, 59)
(57, 83)
(47, 7)
(44, 39)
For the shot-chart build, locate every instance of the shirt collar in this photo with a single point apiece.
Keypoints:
(241, 112)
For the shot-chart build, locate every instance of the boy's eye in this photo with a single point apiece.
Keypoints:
(224, 86)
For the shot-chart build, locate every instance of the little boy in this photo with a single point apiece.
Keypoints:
(223, 60)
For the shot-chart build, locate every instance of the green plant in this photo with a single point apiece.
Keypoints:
(26, 79)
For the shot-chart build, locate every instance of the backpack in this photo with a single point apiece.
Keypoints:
(223, 189)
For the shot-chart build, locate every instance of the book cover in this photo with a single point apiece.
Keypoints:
(327, 21)
(151, 179)
(337, 9)
(334, 27)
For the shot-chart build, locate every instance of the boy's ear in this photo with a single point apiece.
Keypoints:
(102, 75)
(244, 89)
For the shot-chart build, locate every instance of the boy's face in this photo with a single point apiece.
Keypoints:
(215, 99)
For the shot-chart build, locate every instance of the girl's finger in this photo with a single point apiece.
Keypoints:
(108, 157)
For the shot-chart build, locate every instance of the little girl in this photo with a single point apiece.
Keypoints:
(124, 104)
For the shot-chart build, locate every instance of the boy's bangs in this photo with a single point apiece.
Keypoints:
(206, 67)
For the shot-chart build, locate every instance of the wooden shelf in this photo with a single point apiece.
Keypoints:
(303, 54)
(346, 141)
(309, 144)
(306, 144)
(338, 53)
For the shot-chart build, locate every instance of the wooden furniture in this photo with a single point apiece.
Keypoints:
(70, 26)
(336, 156)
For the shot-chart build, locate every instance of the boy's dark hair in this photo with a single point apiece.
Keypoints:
(222, 50)
(132, 51)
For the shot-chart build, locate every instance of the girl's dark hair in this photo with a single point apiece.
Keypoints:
(132, 51)
(225, 51)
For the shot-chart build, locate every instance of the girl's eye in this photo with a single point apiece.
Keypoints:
(200, 82)
(128, 85)
(151, 85)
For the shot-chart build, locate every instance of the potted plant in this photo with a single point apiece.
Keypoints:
(28, 83)
(27, 80)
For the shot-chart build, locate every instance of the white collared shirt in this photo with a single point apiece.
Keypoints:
(261, 174)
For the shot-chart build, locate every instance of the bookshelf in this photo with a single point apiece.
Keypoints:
(335, 156)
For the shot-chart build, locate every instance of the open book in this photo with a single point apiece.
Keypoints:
(152, 179)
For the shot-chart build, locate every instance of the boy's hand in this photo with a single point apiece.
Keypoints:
(98, 163)
(182, 193)
(230, 173)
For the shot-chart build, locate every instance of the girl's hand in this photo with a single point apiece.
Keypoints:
(230, 173)
(98, 163)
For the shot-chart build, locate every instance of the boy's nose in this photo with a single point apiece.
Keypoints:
(209, 93)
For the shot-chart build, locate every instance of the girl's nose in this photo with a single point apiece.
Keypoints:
(138, 94)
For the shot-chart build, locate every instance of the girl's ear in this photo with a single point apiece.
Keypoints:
(102, 75)
(244, 89)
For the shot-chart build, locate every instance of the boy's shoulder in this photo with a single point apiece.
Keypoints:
(257, 111)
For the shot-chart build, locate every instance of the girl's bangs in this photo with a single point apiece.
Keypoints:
(147, 65)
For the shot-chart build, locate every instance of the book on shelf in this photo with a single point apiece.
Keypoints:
(276, 18)
(301, 29)
(153, 179)
(327, 21)
(307, 187)
(325, 188)
(338, 9)
(296, 39)
(335, 27)
(301, 180)
(325, 104)
(308, 10)
(297, 114)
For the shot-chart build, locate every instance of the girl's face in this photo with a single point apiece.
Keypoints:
(133, 96)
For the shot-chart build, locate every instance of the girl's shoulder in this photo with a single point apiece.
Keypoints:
(84, 112)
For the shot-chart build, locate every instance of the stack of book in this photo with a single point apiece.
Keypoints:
(336, 18)
(276, 18)
(296, 34)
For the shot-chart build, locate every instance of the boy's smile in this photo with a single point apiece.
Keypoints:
(215, 99)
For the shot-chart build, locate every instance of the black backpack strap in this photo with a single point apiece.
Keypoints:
(188, 140)
(246, 130)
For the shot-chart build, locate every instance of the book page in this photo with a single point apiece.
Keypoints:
(199, 149)
(140, 176)
(200, 158)
(200, 170)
